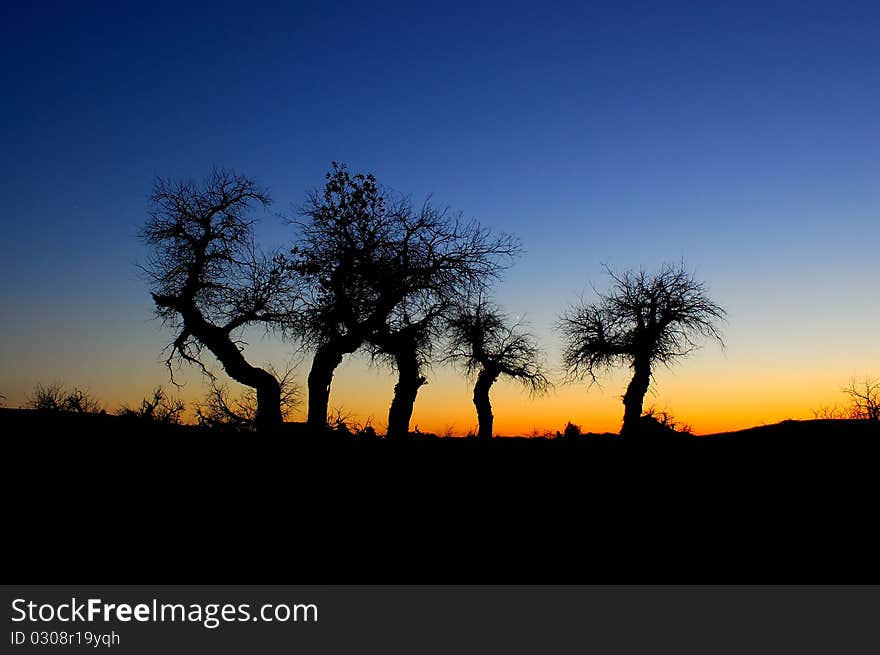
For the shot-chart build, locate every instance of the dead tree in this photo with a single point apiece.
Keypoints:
(645, 320)
(209, 281)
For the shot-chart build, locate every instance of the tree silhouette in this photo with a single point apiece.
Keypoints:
(346, 253)
(643, 321)
(209, 281)
(484, 341)
(446, 261)
(406, 343)
(367, 253)
(864, 398)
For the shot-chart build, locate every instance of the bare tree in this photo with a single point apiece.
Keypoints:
(209, 280)
(488, 345)
(645, 320)
(864, 398)
(367, 253)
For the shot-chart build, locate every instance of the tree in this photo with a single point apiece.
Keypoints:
(484, 341)
(345, 255)
(864, 398)
(371, 257)
(863, 402)
(645, 320)
(406, 343)
(445, 261)
(209, 281)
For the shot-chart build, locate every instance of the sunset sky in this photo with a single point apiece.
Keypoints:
(741, 137)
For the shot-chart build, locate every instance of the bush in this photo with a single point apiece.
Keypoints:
(863, 402)
(160, 408)
(55, 398)
(864, 399)
(571, 431)
(661, 420)
(220, 409)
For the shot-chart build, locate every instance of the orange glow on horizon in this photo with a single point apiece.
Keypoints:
(695, 393)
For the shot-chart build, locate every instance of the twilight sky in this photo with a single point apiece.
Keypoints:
(743, 137)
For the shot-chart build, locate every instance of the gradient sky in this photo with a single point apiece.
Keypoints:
(743, 137)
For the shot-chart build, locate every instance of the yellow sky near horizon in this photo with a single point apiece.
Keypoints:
(711, 392)
(783, 359)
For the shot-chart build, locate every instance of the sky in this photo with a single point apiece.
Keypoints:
(742, 138)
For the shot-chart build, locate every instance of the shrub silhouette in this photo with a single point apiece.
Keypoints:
(55, 398)
(220, 409)
(662, 420)
(571, 431)
(864, 398)
(157, 408)
(863, 402)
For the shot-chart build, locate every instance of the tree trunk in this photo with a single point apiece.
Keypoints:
(485, 380)
(409, 381)
(268, 417)
(634, 397)
(220, 343)
(327, 358)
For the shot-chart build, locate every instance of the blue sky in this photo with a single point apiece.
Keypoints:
(742, 137)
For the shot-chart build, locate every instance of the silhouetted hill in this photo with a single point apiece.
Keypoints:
(116, 498)
(812, 429)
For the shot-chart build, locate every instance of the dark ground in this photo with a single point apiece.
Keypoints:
(105, 499)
